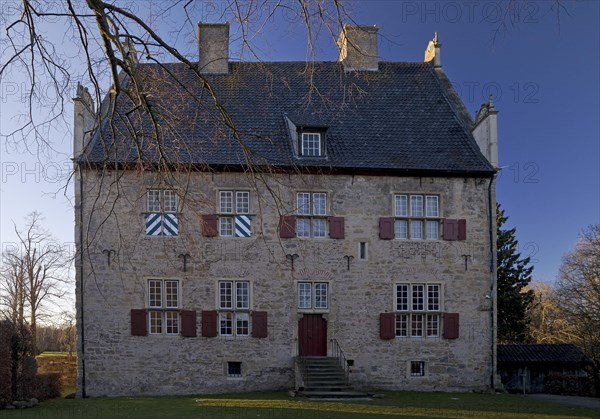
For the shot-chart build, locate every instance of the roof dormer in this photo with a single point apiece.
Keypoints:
(309, 140)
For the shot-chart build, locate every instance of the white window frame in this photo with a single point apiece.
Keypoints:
(417, 216)
(311, 144)
(311, 211)
(166, 201)
(234, 299)
(161, 202)
(418, 308)
(318, 296)
(239, 203)
(163, 312)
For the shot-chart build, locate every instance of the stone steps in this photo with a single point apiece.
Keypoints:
(323, 377)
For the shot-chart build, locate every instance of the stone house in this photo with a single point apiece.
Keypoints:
(347, 211)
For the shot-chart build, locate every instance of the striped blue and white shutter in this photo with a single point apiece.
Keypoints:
(170, 225)
(242, 226)
(153, 224)
(162, 224)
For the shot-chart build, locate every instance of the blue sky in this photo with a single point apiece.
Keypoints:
(543, 70)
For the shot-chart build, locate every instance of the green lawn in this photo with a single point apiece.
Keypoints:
(277, 405)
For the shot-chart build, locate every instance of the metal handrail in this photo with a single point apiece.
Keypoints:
(337, 353)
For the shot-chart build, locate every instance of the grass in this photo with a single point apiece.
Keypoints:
(277, 405)
(56, 354)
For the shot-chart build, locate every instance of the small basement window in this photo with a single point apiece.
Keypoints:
(417, 368)
(234, 369)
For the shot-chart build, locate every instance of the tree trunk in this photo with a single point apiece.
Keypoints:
(596, 376)
(33, 329)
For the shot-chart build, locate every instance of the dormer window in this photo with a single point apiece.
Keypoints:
(308, 139)
(311, 144)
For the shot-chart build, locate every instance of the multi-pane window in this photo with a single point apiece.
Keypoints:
(313, 295)
(418, 309)
(163, 304)
(161, 212)
(311, 144)
(234, 305)
(417, 217)
(312, 214)
(234, 214)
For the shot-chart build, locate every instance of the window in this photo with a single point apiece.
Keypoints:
(417, 368)
(311, 144)
(234, 369)
(416, 217)
(312, 214)
(362, 251)
(418, 308)
(313, 295)
(163, 305)
(234, 305)
(161, 212)
(234, 214)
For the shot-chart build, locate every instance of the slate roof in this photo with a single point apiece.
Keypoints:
(405, 118)
(540, 353)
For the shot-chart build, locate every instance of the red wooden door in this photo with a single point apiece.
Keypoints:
(312, 335)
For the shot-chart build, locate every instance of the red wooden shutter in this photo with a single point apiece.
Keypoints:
(450, 326)
(188, 323)
(462, 230)
(138, 323)
(386, 228)
(209, 225)
(209, 324)
(450, 229)
(336, 227)
(387, 325)
(287, 227)
(259, 324)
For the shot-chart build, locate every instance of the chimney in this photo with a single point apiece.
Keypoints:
(84, 119)
(131, 56)
(433, 52)
(485, 131)
(358, 48)
(213, 41)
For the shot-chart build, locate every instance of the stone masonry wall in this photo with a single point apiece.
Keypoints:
(117, 363)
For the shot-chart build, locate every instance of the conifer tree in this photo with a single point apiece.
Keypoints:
(514, 274)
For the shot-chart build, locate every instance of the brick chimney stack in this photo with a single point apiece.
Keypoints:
(485, 131)
(358, 48)
(213, 43)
